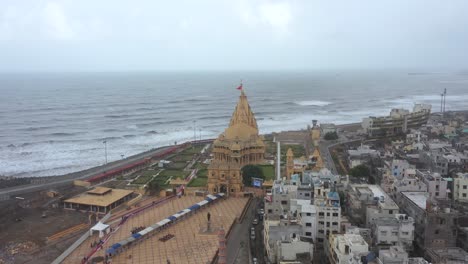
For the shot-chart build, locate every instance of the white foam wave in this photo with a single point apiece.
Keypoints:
(312, 103)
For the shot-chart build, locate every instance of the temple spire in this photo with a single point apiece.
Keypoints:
(243, 114)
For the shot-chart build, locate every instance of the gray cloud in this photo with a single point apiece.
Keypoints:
(65, 35)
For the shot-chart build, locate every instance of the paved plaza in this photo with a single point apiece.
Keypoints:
(188, 244)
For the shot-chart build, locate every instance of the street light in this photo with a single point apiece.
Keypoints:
(105, 149)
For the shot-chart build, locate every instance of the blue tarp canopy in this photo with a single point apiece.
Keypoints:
(195, 206)
(209, 199)
(172, 217)
(136, 235)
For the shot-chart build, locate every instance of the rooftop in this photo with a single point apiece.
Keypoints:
(419, 198)
(99, 197)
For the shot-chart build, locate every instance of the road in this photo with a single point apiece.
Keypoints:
(239, 243)
(80, 175)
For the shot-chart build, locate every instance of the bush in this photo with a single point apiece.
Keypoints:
(360, 171)
(331, 136)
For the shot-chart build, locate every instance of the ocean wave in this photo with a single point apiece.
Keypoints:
(312, 103)
(118, 116)
(129, 136)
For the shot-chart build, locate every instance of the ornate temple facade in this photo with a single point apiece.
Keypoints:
(239, 145)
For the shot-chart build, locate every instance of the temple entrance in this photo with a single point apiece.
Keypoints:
(223, 188)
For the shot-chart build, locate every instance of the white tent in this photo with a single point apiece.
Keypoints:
(102, 228)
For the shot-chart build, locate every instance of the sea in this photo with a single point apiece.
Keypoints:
(56, 123)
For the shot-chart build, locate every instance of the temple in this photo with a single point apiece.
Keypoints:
(239, 145)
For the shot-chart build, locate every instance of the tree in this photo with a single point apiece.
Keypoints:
(360, 171)
(331, 136)
(249, 172)
(153, 186)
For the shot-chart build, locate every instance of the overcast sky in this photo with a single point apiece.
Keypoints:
(113, 35)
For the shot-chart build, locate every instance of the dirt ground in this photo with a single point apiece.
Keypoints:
(24, 230)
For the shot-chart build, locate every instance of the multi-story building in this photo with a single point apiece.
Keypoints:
(449, 255)
(308, 216)
(436, 185)
(346, 249)
(328, 216)
(366, 202)
(394, 231)
(361, 155)
(435, 222)
(397, 255)
(460, 187)
(282, 239)
(278, 201)
(399, 121)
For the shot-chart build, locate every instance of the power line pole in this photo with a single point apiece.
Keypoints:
(105, 149)
(445, 95)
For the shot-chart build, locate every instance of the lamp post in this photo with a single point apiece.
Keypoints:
(105, 149)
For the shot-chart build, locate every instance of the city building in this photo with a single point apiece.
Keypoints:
(436, 185)
(397, 255)
(282, 239)
(460, 187)
(278, 202)
(361, 155)
(328, 216)
(347, 249)
(393, 231)
(399, 121)
(448, 255)
(239, 145)
(308, 216)
(435, 222)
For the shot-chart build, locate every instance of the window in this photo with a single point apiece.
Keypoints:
(335, 214)
(464, 187)
(328, 224)
(383, 233)
(308, 214)
(464, 195)
(321, 222)
(390, 211)
(284, 202)
(328, 214)
(437, 194)
(307, 194)
(321, 231)
(405, 233)
(320, 239)
(335, 223)
(321, 214)
(436, 231)
(308, 234)
(437, 187)
(270, 211)
(309, 224)
(232, 190)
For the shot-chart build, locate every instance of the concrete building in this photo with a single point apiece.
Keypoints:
(239, 145)
(328, 216)
(449, 255)
(308, 216)
(282, 239)
(361, 155)
(435, 161)
(366, 202)
(328, 128)
(436, 185)
(435, 223)
(278, 202)
(397, 255)
(399, 121)
(394, 231)
(347, 249)
(460, 187)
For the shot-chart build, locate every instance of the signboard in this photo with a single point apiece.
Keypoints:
(257, 182)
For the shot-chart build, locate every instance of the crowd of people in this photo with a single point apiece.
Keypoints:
(166, 237)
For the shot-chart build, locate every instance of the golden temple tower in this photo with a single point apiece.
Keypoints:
(289, 163)
(239, 145)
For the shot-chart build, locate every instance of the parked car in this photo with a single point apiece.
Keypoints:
(252, 236)
(254, 261)
(255, 221)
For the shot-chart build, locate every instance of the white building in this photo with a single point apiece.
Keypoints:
(394, 231)
(460, 187)
(436, 185)
(308, 216)
(397, 255)
(347, 249)
(328, 216)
